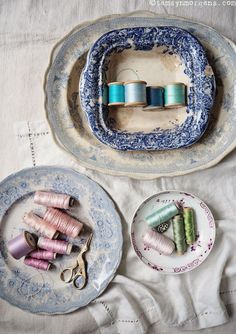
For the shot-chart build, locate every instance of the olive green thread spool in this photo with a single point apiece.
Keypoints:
(179, 234)
(189, 225)
(162, 215)
(175, 95)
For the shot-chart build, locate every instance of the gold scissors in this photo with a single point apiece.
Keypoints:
(77, 273)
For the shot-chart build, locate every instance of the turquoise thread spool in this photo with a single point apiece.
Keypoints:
(162, 215)
(155, 97)
(175, 95)
(116, 95)
(135, 93)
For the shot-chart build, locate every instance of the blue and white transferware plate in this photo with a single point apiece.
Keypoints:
(69, 122)
(43, 292)
(187, 55)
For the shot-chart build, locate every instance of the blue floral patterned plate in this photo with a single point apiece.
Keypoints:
(40, 292)
(174, 42)
(70, 126)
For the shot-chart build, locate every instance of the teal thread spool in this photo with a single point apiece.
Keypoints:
(155, 97)
(116, 95)
(105, 95)
(189, 225)
(179, 234)
(175, 95)
(162, 215)
(135, 93)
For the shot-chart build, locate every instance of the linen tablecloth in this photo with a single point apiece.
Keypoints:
(139, 300)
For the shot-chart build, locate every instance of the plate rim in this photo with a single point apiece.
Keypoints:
(165, 192)
(119, 254)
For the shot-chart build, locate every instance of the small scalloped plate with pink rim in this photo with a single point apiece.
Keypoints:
(195, 254)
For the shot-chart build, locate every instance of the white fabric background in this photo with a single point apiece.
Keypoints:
(138, 300)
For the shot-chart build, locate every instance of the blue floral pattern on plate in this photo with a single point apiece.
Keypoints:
(200, 94)
(41, 292)
(69, 122)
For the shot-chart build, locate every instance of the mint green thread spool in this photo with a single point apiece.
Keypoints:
(175, 95)
(116, 94)
(135, 93)
(189, 226)
(162, 215)
(179, 234)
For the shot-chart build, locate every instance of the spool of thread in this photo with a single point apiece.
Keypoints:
(135, 93)
(162, 215)
(116, 95)
(159, 242)
(40, 225)
(179, 235)
(63, 223)
(105, 95)
(155, 97)
(175, 95)
(21, 245)
(189, 226)
(51, 199)
(43, 254)
(36, 263)
(55, 246)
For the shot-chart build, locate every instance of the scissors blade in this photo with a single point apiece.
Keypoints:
(86, 245)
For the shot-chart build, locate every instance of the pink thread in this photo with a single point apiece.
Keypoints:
(40, 225)
(52, 199)
(159, 242)
(39, 264)
(55, 246)
(63, 222)
(43, 255)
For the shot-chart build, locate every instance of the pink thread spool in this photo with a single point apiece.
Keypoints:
(41, 254)
(36, 263)
(159, 242)
(21, 245)
(63, 222)
(54, 200)
(55, 246)
(40, 225)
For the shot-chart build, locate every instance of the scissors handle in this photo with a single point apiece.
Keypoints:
(79, 281)
(67, 275)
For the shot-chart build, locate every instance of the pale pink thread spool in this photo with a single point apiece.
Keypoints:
(36, 263)
(54, 200)
(42, 254)
(63, 222)
(159, 242)
(40, 225)
(55, 246)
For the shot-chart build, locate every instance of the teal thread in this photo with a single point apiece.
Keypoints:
(162, 215)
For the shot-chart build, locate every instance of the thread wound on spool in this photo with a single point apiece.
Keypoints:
(135, 93)
(189, 225)
(159, 242)
(21, 245)
(179, 234)
(43, 254)
(63, 222)
(162, 215)
(36, 263)
(155, 97)
(40, 225)
(51, 199)
(175, 95)
(116, 95)
(55, 246)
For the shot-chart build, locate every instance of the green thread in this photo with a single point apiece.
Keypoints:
(189, 225)
(162, 215)
(179, 234)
